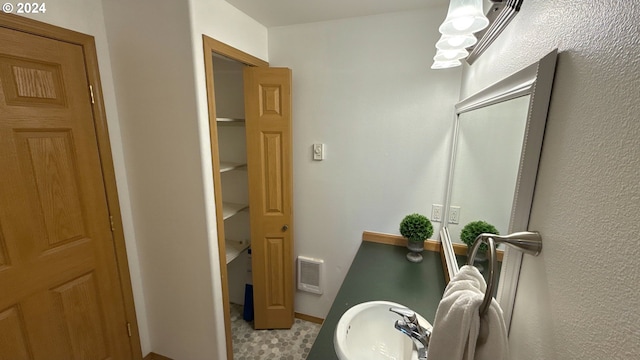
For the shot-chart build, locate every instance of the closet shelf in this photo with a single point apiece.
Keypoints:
(234, 248)
(229, 121)
(228, 166)
(230, 209)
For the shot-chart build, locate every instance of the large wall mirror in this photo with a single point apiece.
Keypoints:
(495, 152)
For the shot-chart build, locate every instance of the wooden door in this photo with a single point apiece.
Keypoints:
(60, 295)
(269, 163)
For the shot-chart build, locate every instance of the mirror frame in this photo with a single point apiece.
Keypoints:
(535, 80)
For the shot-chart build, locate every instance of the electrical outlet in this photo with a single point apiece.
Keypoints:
(454, 215)
(436, 212)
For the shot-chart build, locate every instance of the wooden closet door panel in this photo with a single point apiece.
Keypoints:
(269, 155)
(61, 295)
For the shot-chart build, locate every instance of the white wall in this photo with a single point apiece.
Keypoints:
(579, 298)
(86, 16)
(221, 21)
(364, 88)
(153, 70)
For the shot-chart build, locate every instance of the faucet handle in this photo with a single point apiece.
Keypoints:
(407, 314)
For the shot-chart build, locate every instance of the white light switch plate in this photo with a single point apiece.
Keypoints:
(318, 152)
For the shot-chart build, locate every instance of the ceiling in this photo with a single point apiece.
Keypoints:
(272, 13)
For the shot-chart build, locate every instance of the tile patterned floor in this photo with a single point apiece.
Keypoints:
(250, 344)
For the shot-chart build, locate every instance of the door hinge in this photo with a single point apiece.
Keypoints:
(129, 329)
(113, 227)
(91, 92)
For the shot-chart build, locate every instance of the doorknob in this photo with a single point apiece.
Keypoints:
(285, 227)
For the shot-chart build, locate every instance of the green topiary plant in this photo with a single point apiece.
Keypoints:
(471, 231)
(416, 227)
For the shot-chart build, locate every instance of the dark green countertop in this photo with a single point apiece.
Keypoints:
(382, 272)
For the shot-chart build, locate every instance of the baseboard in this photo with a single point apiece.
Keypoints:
(430, 245)
(309, 318)
(154, 356)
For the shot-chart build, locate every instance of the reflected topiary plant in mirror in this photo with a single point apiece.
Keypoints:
(470, 232)
(416, 228)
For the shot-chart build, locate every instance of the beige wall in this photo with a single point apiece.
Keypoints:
(579, 298)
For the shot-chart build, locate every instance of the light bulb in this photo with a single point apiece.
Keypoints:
(464, 17)
(448, 55)
(445, 64)
(454, 42)
(463, 23)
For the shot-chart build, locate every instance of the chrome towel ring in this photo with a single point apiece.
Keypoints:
(529, 242)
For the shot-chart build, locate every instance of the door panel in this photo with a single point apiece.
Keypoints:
(61, 295)
(47, 159)
(13, 340)
(272, 174)
(29, 82)
(268, 127)
(275, 262)
(77, 301)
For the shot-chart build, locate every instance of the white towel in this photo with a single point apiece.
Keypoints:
(458, 331)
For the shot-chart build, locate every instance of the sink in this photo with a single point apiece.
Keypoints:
(366, 331)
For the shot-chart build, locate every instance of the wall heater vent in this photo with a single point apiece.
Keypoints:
(310, 274)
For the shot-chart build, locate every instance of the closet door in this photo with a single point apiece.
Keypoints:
(269, 163)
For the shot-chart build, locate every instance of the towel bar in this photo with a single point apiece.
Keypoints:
(529, 242)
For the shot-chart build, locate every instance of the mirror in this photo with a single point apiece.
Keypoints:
(495, 152)
(489, 142)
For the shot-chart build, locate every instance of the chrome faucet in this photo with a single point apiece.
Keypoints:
(409, 326)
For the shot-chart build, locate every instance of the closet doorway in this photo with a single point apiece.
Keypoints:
(251, 149)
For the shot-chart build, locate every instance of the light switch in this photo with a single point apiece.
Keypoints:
(318, 152)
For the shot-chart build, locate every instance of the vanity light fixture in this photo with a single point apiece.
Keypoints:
(465, 20)
(449, 55)
(445, 64)
(453, 42)
(464, 17)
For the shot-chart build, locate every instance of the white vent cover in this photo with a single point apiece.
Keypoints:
(310, 274)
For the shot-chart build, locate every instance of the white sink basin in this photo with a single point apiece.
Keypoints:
(366, 332)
